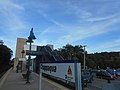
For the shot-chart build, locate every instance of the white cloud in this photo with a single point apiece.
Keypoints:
(11, 15)
(107, 46)
(92, 19)
(50, 19)
(11, 22)
(76, 9)
(8, 5)
(87, 22)
(78, 32)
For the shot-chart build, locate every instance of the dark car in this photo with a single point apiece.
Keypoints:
(118, 72)
(105, 75)
(114, 72)
(87, 76)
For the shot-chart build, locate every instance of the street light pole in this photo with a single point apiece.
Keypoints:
(28, 64)
(22, 58)
(23, 53)
(84, 57)
(30, 40)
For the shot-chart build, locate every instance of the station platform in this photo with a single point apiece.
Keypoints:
(15, 81)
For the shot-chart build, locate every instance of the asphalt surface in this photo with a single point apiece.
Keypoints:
(102, 84)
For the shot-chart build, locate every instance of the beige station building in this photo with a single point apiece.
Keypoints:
(20, 56)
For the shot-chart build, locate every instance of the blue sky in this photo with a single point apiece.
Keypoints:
(95, 23)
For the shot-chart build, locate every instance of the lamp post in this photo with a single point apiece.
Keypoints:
(20, 62)
(84, 57)
(22, 53)
(30, 40)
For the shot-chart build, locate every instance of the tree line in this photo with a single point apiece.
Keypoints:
(100, 60)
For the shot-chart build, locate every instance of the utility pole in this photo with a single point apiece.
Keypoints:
(84, 57)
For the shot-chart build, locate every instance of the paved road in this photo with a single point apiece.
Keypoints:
(103, 84)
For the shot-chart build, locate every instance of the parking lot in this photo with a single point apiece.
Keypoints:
(102, 84)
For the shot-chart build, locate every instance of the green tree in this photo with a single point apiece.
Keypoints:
(5, 55)
(69, 52)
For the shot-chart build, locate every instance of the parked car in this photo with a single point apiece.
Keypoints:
(105, 75)
(114, 72)
(118, 72)
(87, 76)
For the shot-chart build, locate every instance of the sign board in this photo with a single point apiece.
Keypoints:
(33, 47)
(67, 70)
(61, 70)
(22, 59)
